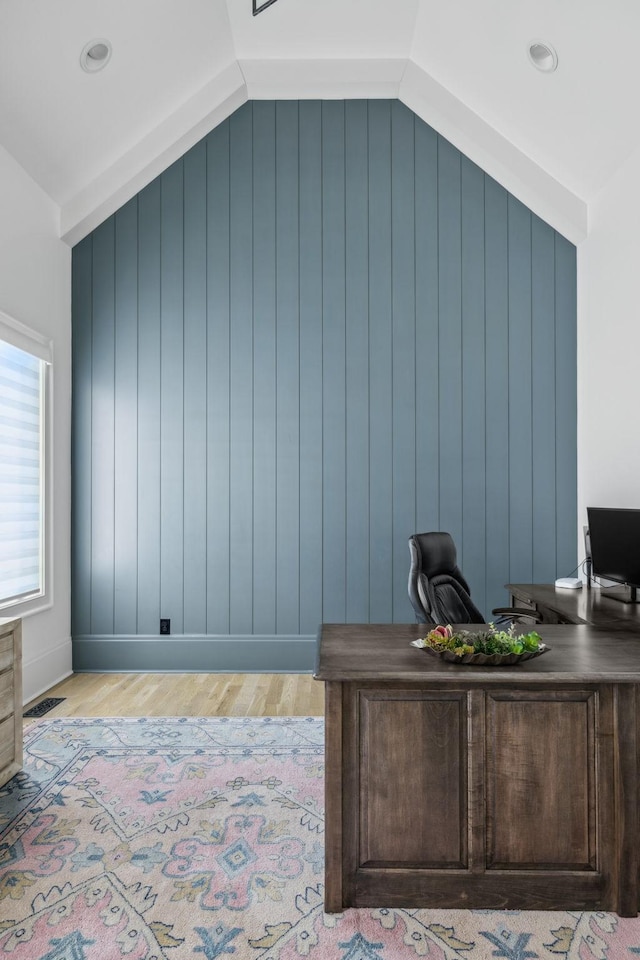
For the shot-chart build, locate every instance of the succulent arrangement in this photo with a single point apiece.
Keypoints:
(489, 642)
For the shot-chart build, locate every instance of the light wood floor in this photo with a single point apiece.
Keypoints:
(187, 695)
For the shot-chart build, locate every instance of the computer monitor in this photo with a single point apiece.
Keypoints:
(614, 534)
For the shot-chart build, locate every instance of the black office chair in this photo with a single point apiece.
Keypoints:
(437, 589)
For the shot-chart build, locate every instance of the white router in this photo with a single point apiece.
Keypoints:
(569, 583)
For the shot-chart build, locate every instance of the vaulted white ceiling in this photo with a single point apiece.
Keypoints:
(179, 67)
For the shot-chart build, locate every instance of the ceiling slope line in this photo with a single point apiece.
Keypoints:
(325, 79)
(152, 154)
(497, 156)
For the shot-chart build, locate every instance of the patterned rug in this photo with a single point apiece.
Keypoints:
(203, 839)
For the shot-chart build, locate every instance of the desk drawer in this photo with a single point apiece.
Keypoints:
(7, 741)
(6, 693)
(6, 652)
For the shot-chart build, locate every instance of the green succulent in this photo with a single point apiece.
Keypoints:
(491, 641)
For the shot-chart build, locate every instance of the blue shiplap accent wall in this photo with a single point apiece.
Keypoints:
(321, 330)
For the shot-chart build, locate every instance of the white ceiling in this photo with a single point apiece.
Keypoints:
(65, 126)
(578, 123)
(180, 66)
(319, 29)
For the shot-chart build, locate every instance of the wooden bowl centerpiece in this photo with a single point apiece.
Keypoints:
(488, 647)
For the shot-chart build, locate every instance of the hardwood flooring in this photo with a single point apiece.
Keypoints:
(187, 695)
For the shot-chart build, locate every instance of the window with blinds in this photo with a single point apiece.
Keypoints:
(21, 474)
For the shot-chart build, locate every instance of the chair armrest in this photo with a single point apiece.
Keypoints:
(517, 613)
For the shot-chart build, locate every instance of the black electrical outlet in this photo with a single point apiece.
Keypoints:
(165, 626)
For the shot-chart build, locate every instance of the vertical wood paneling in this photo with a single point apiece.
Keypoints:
(311, 449)
(264, 372)
(149, 409)
(320, 331)
(126, 420)
(543, 399)
(357, 361)
(426, 360)
(241, 371)
(474, 533)
(218, 380)
(195, 390)
(497, 390)
(450, 341)
(403, 349)
(82, 400)
(172, 396)
(102, 430)
(566, 406)
(520, 419)
(287, 371)
(333, 363)
(380, 365)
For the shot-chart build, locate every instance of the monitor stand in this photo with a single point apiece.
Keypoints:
(625, 594)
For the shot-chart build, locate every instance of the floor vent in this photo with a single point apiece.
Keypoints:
(43, 707)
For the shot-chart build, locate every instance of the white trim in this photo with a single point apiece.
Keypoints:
(44, 599)
(323, 79)
(44, 672)
(24, 338)
(327, 79)
(28, 608)
(152, 154)
(496, 155)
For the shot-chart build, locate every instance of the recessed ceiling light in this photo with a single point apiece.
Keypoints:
(95, 55)
(542, 56)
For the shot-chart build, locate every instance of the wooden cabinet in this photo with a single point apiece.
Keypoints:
(10, 698)
(471, 787)
(411, 751)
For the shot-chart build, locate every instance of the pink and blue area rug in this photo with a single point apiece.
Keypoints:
(188, 838)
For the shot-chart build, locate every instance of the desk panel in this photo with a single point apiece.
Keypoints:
(556, 605)
(479, 787)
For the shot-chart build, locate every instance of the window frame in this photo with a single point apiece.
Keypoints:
(19, 335)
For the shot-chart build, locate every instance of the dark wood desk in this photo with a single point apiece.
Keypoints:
(481, 787)
(555, 605)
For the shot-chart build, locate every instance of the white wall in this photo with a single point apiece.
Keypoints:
(35, 288)
(609, 347)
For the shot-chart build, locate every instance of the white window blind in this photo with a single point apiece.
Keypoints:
(21, 474)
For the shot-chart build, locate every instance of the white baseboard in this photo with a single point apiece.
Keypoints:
(42, 673)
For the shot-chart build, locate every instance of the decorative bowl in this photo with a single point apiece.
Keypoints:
(482, 659)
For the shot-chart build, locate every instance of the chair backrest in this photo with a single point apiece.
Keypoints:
(437, 589)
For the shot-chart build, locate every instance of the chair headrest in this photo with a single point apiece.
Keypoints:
(437, 554)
